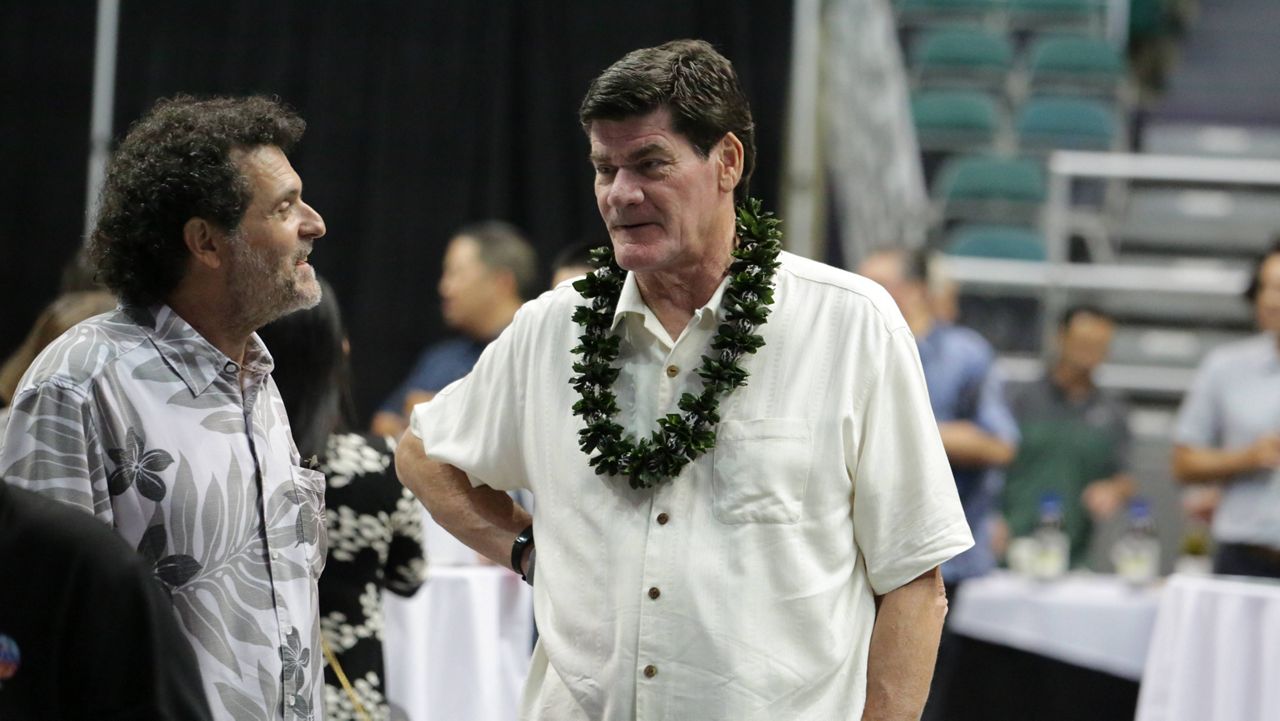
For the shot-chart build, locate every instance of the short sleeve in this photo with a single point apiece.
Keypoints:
(907, 516)
(1199, 423)
(50, 447)
(474, 423)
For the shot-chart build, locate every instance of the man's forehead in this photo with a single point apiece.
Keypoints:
(640, 133)
(266, 163)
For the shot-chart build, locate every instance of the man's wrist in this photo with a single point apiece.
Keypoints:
(520, 548)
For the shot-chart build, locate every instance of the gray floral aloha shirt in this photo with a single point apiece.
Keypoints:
(136, 418)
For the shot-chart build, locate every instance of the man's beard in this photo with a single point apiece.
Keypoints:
(261, 291)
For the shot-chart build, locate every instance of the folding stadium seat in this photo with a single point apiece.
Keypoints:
(986, 188)
(1075, 64)
(927, 13)
(1052, 123)
(1004, 242)
(962, 57)
(1039, 15)
(956, 120)
(1011, 321)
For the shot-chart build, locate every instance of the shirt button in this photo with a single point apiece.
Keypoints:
(663, 518)
(650, 671)
(275, 555)
(654, 592)
(673, 371)
(230, 367)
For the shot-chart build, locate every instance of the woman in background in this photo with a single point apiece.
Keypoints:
(375, 530)
(57, 318)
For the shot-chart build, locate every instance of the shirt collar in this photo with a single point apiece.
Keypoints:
(191, 356)
(630, 302)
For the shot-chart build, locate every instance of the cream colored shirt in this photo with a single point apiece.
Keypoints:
(744, 588)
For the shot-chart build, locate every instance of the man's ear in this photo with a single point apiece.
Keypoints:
(730, 157)
(506, 279)
(206, 242)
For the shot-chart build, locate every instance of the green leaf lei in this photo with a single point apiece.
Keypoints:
(679, 438)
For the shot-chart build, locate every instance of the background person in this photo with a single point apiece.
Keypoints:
(966, 393)
(1228, 433)
(57, 318)
(73, 596)
(1075, 438)
(489, 270)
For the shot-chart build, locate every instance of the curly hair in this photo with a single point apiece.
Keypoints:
(175, 164)
(688, 77)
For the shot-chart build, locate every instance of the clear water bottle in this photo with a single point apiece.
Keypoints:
(1136, 554)
(1053, 548)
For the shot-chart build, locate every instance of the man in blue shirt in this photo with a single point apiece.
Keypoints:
(490, 269)
(978, 430)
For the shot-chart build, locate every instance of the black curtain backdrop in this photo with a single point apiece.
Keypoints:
(46, 84)
(422, 116)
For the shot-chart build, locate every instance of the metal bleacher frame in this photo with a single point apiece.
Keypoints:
(1056, 278)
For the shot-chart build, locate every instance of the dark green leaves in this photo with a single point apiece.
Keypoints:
(679, 438)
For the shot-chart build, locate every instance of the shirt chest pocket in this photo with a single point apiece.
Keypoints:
(310, 523)
(760, 470)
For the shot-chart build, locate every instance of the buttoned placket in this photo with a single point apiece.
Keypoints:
(250, 385)
(665, 535)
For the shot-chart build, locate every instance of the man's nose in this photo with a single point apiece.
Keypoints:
(313, 224)
(625, 189)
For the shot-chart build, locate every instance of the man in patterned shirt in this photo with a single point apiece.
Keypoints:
(161, 418)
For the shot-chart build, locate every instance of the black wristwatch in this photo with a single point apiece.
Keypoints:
(523, 541)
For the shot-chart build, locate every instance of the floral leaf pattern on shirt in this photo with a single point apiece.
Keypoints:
(229, 422)
(152, 545)
(136, 465)
(237, 704)
(296, 659)
(177, 569)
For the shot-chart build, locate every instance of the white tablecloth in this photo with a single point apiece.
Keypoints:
(1089, 620)
(459, 649)
(1215, 653)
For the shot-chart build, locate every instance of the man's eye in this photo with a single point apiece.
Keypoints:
(604, 170)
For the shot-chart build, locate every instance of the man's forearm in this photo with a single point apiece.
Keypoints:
(904, 647)
(1201, 465)
(967, 445)
(484, 519)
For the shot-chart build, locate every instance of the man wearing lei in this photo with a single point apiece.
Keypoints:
(742, 498)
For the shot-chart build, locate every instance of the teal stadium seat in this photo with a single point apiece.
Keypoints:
(1075, 64)
(1065, 123)
(955, 120)
(1000, 242)
(929, 13)
(962, 57)
(1081, 15)
(989, 188)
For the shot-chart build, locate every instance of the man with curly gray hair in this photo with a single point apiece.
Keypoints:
(161, 418)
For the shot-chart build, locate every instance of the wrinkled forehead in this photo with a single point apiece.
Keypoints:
(634, 135)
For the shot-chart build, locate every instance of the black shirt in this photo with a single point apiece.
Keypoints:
(85, 630)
